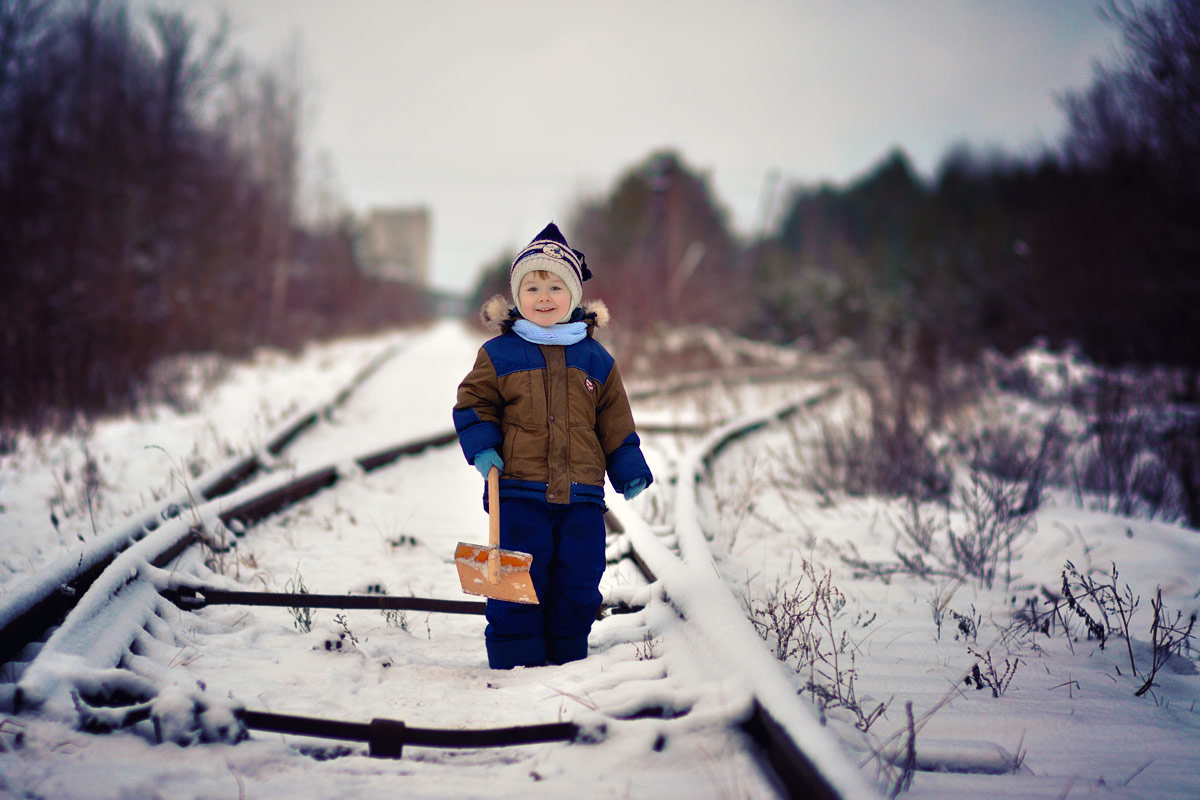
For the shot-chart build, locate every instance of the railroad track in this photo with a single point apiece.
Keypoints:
(40, 602)
(112, 659)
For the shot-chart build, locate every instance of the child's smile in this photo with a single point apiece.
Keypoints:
(544, 301)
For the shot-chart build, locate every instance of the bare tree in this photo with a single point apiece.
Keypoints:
(148, 193)
(1149, 103)
(280, 106)
(661, 248)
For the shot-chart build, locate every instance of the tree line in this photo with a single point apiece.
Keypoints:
(1093, 243)
(150, 183)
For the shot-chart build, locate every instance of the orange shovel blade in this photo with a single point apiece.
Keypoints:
(511, 581)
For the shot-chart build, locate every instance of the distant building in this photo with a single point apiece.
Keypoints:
(448, 304)
(398, 244)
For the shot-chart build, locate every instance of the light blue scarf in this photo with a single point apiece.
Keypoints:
(562, 333)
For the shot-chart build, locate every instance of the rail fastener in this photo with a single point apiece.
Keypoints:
(190, 598)
(386, 738)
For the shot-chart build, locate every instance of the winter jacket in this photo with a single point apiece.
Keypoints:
(557, 414)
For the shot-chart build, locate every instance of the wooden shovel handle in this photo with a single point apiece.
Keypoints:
(494, 507)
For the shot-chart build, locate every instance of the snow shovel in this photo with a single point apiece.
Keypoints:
(490, 571)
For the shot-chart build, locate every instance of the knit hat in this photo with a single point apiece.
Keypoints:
(549, 251)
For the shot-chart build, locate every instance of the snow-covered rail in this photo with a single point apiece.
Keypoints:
(800, 751)
(126, 595)
(44, 599)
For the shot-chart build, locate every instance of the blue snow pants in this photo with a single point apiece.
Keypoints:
(567, 545)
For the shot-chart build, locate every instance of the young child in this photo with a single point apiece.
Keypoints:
(545, 404)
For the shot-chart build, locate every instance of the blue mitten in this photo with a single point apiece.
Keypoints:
(634, 488)
(486, 460)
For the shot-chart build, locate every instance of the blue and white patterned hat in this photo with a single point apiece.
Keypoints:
(549, 251)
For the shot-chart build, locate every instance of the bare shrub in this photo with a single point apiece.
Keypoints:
(885, 455)
(969, 545)
(302, 616)
(992, 523)
(1168, 637)
(940, 602)
(647, 649)
(1032, 617)
(87, 483)
(184, 381)
(1008, 452)
(967, 625)
(343, 629)
(985, 672)
(1002, 450)
(1107, 609)
(892, 443)
(1142, 456)
(734, 498)
(1119, 436)
(1076, 588)
(1178, 448)
(798, 624)
(1139, 455)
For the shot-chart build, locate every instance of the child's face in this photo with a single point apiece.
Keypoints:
(544, 301)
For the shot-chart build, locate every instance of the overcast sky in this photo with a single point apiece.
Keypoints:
(499, 116)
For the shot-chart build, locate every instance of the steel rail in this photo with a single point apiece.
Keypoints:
(794, 745)
(42, 601)
(249, 510)
(78, 625)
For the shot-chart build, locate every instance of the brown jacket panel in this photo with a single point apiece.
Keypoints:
(558, 423)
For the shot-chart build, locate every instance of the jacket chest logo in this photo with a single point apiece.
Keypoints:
(589, 385)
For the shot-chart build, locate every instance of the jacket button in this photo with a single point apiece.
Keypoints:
(550, 496)
(552, 418)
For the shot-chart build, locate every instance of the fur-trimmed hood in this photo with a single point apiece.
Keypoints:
(496, 314)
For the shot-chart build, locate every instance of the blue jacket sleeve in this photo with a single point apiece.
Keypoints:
(477, 409)
(626, 463)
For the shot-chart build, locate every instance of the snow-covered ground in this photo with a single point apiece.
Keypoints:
(1066, 722)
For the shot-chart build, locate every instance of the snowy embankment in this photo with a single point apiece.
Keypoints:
(1009, 699)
